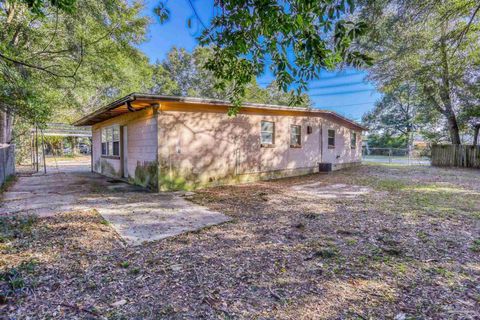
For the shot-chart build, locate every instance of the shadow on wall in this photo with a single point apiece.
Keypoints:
(207, 149)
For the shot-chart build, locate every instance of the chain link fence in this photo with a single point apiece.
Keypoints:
(402, 156)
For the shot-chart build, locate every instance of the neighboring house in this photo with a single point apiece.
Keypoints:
(169, 143)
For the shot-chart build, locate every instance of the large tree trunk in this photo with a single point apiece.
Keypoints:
(476, 130)
(445, 93)
(453, 127)
(6, 125)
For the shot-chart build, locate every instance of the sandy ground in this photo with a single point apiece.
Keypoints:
(374, 242)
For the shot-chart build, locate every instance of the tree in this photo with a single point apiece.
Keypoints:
(430, 43)
(185, 74)
(55, 55)
(395, 114)
(298, 38)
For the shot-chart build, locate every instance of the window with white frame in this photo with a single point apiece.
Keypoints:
(111, 141)
(295, 136)
(353, 140)
(267, 133)
(331, 138)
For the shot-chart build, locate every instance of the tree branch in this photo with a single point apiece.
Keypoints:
(26, 64)
(466, 29)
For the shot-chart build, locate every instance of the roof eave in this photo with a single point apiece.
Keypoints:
(143, 96)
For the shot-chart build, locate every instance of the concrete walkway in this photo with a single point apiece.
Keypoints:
(136, 214)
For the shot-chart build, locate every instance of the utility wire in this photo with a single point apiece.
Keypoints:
(340, 93)
(337, 85)
(348, 105)
(337, 76)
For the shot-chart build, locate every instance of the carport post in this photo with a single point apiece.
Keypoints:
(91, 155)
(36, 147)
(43, 152)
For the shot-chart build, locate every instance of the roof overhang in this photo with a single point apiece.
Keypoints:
(138, 101)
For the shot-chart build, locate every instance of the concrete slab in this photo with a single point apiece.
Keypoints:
(157, 217)
(331, 191)
(136, 214)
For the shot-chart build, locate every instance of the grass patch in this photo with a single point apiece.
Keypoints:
(13, 227)
(17, 280)
(390, 185)
(8, 182)
(475, 247)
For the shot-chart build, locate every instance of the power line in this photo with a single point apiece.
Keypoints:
(340, 93)
(196, 14)
(341, 75)
(348, 105)
(338, 85)
(336, 76)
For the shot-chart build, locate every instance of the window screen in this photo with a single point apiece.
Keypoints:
(296, 136)
(331, 138)
(353, 140)
(111, 141)
(267, 133)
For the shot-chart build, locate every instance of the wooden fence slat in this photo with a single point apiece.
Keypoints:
(456, 156)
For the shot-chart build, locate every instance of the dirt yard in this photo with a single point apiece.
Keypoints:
(374, 242)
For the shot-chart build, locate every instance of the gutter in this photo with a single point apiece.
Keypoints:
(129, 98)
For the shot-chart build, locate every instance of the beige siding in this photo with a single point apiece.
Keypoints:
(141, 143)
(203, 147)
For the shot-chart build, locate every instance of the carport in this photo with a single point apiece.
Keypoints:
(38, 147)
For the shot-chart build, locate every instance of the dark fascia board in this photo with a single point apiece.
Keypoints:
(145, 96)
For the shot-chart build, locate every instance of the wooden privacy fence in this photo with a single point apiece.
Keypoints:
(456, 155)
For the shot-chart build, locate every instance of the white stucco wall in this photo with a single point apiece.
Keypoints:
(209, 145)
(141, 142)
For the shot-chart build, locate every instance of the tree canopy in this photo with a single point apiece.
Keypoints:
(432, 46)
(185, 74)
(295, 39)
(58, 55)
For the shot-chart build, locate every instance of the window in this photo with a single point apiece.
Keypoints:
(353, 140)
(295, 136)
(267, 133)
(111, 141)
(331, 138)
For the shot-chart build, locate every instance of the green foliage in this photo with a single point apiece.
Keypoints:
(298, 38)
(75, 56)
(184, 74)
(386, 141)
(428, 46)
(393, 116)
(37, 6)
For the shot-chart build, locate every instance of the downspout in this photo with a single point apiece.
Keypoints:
(91, 152)
(321, 142)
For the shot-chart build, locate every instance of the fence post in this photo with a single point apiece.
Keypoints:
(390, 155)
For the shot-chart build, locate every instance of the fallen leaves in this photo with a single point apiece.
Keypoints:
(286, 255)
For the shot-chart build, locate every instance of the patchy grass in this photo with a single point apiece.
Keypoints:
(408, 247)
(8, 182)
(12, 227)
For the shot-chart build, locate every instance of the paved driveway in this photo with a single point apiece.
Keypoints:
(136, 214)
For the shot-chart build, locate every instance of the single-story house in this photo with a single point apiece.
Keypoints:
(169, 143)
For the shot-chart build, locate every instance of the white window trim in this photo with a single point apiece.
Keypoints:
(109, 140)
(299, 134)
(262, 143)
(331, 146)
(354, 145)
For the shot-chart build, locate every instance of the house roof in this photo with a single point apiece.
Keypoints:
(139, 101)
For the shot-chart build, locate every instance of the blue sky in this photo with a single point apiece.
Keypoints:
(344, 91)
